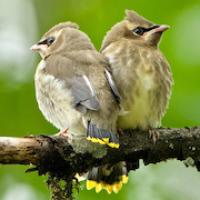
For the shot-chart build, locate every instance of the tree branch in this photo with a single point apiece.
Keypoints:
(53, 155)
(134, 144)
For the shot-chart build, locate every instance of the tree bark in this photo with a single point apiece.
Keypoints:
(179, 143)
(54, 156)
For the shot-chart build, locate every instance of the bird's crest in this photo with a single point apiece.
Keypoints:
(134, 17)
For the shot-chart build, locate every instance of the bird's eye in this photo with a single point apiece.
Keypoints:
(47, 41)
(139, 30)
(50, 40)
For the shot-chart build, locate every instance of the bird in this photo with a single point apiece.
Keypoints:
(140, 70)
(72, 83)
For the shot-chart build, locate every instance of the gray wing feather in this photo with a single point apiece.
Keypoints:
(83, 93)
(80, 86)
(112, 85)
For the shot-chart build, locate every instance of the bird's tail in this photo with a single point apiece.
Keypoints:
(102, 136)
(109, 178)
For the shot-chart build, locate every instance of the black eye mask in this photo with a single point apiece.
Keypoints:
(47, 41)
(141, 30)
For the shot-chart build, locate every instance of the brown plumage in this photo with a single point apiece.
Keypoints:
(73, 93)
(141, 72)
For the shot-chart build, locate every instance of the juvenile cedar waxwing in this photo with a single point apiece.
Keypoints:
(140, 71)
(73, 93)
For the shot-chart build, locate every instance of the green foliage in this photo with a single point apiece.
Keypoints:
(19, 111)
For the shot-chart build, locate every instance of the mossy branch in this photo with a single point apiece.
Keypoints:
(55, 156)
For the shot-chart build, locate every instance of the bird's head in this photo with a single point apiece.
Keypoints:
(136, 27)
(143, 29)
(62, 38)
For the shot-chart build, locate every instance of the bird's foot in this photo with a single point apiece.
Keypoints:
(154, 135)
(63, 133)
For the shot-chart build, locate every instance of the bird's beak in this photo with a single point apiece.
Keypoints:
(160, 29)
(35, 47)
(153, 36)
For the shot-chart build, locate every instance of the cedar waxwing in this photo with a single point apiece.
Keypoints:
(73, 93)
(140, 71)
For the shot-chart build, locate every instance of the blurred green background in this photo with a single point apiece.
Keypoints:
(22, 22)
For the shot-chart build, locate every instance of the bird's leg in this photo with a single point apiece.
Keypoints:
(154, 135)
(63, 133)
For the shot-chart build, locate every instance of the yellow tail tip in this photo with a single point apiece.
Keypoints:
(96, 140)
(106, 140)
(99, 187)
(113, 145)
(90, 184)
(108, 188)
(103, 141)
(92, 139)
(117, 187)
(124, 179)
